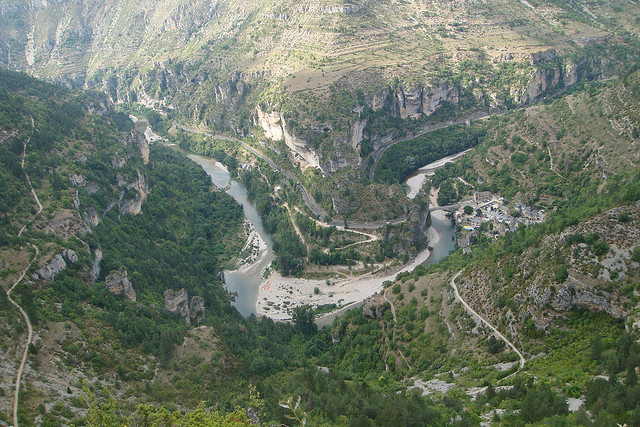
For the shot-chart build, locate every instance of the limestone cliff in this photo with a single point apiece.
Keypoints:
(118, 283)
(177, 303)
(134, 206)
(49, 271)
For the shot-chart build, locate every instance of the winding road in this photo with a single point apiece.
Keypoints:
(16, 395)
(483, 320)
(309, 201)
(376, 155)
(395, 322)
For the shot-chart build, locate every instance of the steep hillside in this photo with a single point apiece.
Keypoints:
(119, 308)
(109, 233)
(329, 78)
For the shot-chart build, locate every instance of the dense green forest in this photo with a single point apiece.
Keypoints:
(404, 158)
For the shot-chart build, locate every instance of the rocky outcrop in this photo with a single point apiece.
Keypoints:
(373, 307)
(75, 198)
(548, 73)
(357, 132)
(52, 268)
(417, 102)
(300, 148)
(196, 309)
(79, 180)
(92, 217)
(271, 124)
(142, 144)
(275, 128)
(70, 255)
(134, 206)
(118, 162)
(118, 283)
(433, 98)
(95, 266)
(177, 303)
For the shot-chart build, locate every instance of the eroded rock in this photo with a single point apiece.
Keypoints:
(177, 303)
(118, 283)
(53, 267)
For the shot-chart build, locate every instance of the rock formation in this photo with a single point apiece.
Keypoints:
(53, 267)
(134, 206)
(118, 283)
(95, 267)
(177, 303)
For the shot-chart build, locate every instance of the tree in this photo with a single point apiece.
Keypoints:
(302, 317)
(596, 348)
(561, 274)
(468, 210)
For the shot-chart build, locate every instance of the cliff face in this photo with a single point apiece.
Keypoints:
(118, 283)
(229, 64)
(178, 304)
(418, 102)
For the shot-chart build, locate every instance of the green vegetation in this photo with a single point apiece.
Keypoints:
(400, 160)
(359, 370)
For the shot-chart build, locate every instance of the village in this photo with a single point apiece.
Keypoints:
(490, 214)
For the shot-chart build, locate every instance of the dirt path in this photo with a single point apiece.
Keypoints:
(483, 320)
(551, 167)
(371, 237)
(16, 396)
(298, 232)
(395, 322)
(29, 338)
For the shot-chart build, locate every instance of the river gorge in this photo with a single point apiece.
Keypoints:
(272, 295)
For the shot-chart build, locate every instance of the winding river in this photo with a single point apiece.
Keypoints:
(246, 282)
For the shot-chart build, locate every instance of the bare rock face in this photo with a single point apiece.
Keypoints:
(78, 180)
(275, 128)
(92, 217)
(409, 102)
(75, 198)
(134, 206)
(270, 123)
(300, 148)
(118, 162)
(372, 307)
(432, 98)
(95, 268)
(53, 267)
(140, 142)
(196, 309)
(576, 297)
(118, 283)
(70, 255)
(177, 303)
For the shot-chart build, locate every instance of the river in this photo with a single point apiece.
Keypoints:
(417, 180)
(247, 281)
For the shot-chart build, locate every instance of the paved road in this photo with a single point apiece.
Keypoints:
(308, 199)
(483, 320)
(376, 155)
